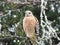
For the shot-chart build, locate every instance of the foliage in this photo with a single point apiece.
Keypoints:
(15, 14)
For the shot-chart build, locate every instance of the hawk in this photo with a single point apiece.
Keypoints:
(31, 27)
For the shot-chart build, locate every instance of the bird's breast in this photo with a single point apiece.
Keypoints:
(29, 21)
(29, 25)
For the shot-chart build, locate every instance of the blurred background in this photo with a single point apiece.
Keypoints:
(11, 18)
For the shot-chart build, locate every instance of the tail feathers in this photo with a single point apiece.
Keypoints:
(33, 40)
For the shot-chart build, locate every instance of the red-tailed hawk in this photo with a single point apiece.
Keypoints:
(31, 26)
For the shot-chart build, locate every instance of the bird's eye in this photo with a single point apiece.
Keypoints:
(29, 13)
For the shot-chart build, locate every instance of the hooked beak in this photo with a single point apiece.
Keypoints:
(26, 15)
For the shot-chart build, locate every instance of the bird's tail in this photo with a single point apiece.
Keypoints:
(33, 40)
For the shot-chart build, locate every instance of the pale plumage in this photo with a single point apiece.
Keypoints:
(30, 26)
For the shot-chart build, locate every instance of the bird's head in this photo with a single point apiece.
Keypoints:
(28, 13)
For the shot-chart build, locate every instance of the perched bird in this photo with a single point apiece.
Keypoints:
(31, 27)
